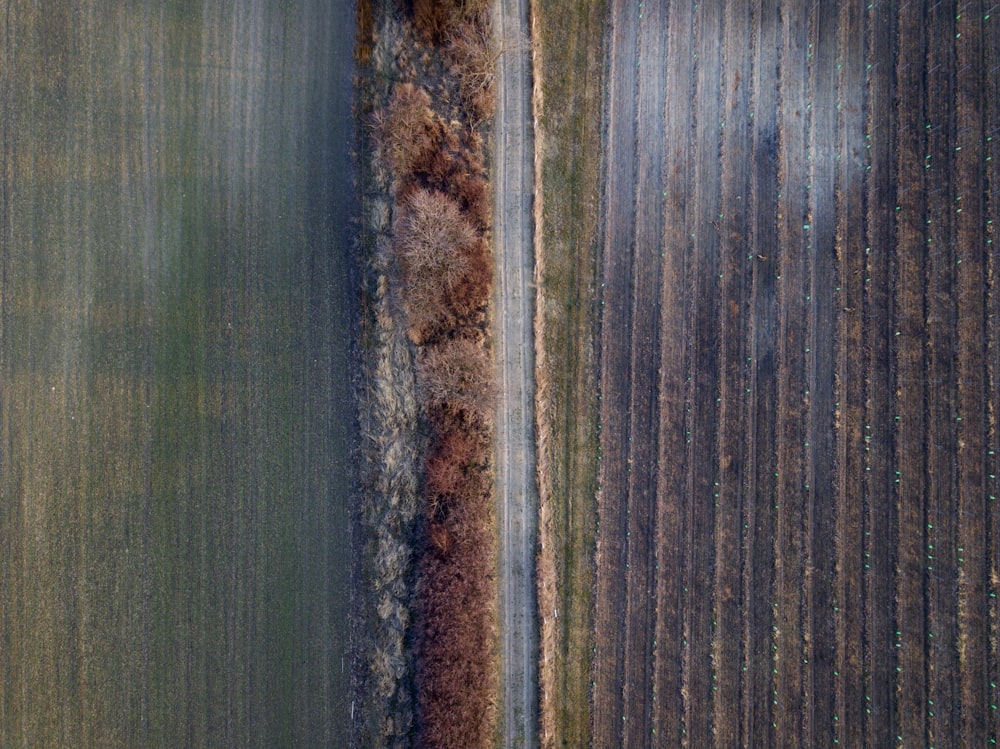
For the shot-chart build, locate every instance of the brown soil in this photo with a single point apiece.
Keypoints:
(798, 377)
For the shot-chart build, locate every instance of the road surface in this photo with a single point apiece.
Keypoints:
(516, 488)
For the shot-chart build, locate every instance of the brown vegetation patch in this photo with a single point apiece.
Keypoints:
(365, 25)
(432, 238)
(437, 21)
(410, 132)
(426, 150)
(434, 246)
(473, 61)
(457, 374)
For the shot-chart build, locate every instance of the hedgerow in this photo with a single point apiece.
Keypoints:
(430, 228)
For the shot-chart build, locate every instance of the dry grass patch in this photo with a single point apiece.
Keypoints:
(568, 76)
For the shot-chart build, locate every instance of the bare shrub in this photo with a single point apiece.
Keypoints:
(408, 129)
(456, 373)
(473, 58)
(432, 243)
(437, 19)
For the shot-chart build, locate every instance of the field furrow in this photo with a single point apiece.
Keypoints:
(911, 395)
(735, 259)
(643, 407)
(823, 210)
(878, 432)
(672, 522)
(703, 290)
(989, 151)
(971, 404)
(609, 699)
(943, 706)
(794, 250)
(816, 474)
(846, 610)
(759, 578)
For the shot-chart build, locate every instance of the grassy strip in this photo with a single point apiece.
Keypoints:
(430, 669)
(568, 71)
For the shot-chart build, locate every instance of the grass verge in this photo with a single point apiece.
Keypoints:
(568, 72)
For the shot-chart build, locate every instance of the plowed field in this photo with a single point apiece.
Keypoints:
(798, 543)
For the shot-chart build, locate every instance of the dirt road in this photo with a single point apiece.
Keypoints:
(516, 489)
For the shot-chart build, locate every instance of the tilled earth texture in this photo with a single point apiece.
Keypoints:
(798, 376)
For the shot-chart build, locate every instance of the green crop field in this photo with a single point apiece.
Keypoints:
(175, 553)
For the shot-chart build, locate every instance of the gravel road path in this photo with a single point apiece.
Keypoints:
(516, 486)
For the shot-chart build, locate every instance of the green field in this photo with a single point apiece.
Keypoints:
(175, 307)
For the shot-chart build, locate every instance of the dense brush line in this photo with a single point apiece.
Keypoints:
(430, 673)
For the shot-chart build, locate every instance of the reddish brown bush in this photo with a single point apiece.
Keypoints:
(473, 425)
(444, 476)
(473, 61)
(448, 464)
(456, 373)
(457, 469)
(472, 190)
(472, 292)
(437, 19)
(457, 630)
(409, 130)
(433, 241)
(456, 594)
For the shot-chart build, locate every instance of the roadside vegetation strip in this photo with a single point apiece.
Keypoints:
(568, 43)
(432, 661)
(388, 416)
(546, 566)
